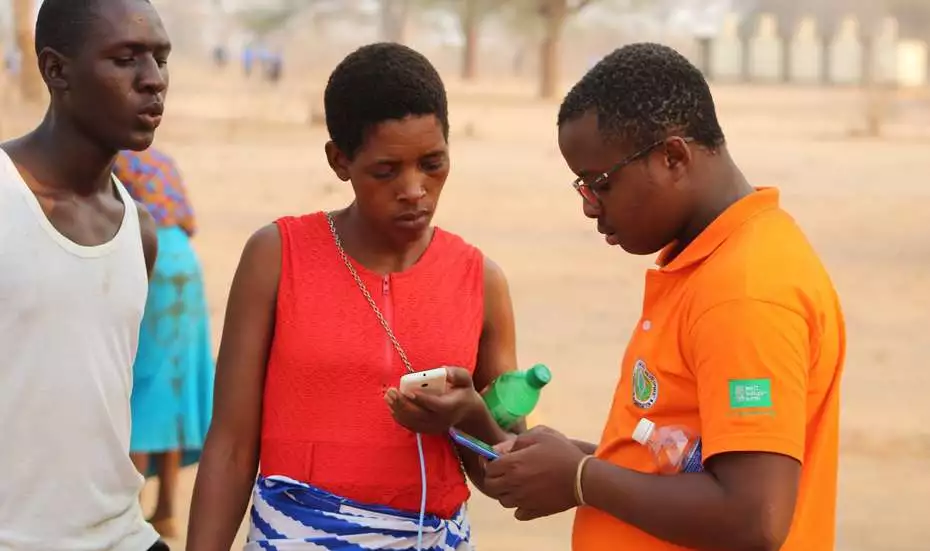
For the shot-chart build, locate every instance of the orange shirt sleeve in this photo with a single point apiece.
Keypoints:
(751, 359)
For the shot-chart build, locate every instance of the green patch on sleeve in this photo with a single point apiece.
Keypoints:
(750, 393)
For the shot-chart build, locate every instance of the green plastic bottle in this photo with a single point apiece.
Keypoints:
(513, 395)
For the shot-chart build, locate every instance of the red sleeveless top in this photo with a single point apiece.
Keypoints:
(324, 419)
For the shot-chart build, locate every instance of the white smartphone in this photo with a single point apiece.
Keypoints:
(430, 382)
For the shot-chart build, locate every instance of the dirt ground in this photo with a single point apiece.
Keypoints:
(249, 157)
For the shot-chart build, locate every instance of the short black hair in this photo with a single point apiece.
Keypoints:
(641, 93)
(379, 82)
(62, 24)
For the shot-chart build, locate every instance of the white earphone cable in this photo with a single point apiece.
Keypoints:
(422, 494)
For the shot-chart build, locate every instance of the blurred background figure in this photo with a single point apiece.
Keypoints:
(273, 64)
(248, 59)
(173, 372)
(220, 56)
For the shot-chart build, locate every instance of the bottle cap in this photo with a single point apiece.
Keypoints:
(643, 431)
(538, 376)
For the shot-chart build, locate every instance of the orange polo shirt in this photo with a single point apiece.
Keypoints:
(741, 340)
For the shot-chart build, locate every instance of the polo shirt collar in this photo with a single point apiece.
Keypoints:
(714, 235)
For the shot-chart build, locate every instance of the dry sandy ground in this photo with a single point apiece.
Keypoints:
(249, 157)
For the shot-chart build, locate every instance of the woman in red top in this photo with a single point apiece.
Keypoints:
(327, 311)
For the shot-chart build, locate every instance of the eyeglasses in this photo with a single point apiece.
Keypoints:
(592, 190)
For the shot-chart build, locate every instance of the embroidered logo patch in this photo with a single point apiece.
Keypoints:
(645, 386)
(750, 393)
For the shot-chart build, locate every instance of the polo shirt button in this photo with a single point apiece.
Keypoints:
(647, 325)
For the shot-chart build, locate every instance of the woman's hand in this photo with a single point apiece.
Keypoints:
(436, 414)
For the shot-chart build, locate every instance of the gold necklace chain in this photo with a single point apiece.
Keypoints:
(366, 294)
(381, 318)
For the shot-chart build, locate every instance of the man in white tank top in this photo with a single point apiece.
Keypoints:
(74, 255)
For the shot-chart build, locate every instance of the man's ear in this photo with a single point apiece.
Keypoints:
(337, 161)
(54, 68)
(678, 156)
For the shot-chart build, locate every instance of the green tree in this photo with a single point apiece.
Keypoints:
(275, 16)
(395, 20)
(540, 21)
(555, 15)
(263, 21)
(471, 15)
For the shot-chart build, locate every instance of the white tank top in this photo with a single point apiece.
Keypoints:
(69, 326)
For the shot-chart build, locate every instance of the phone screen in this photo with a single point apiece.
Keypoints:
(475, 445)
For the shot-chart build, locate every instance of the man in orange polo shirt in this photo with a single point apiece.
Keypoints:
(741, 339)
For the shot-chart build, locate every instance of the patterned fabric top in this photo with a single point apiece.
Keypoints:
(153, 179)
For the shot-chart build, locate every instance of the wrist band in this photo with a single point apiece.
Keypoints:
(579, 491)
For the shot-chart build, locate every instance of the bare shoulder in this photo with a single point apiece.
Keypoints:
(264, 246)
(495, 282)
(260, 265)
(146, 222)
(149, 231)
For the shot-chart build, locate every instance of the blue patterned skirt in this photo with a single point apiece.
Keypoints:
(172, 394)
(288, 515)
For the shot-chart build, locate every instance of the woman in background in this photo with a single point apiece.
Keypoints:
(173, 372)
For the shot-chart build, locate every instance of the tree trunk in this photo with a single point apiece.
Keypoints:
(868, 64)
(4, 85)
(470, 24)
(876, 96)
(394, 18)
(518, 62)
(705, 50)
(787, 63)
(826, 60)
(554, 13)
(30, 82)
